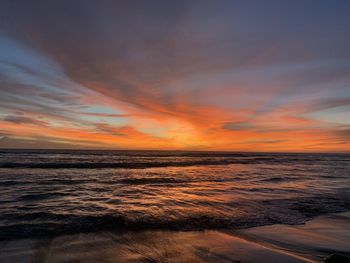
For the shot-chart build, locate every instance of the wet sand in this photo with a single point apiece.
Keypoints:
(316, 239)
(310, 242)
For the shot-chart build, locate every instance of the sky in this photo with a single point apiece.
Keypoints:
(176, 75)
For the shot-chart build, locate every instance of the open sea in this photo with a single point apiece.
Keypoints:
(48, 193)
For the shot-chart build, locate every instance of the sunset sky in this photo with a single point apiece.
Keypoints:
(184, 75)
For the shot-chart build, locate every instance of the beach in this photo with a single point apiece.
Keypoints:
(311, 242)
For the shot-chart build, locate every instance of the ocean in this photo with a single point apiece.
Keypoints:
(47, 193)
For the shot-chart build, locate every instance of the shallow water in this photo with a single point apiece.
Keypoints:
(308, 243)
(49, 193)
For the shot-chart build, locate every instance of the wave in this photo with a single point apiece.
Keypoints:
(277, 179)
(40, 196)
(47, 224)
(281, 211)
(153, 163)
(57, 159)
(152, 180)
(123, 165)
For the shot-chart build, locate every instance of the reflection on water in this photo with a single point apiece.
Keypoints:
(239, 190)
(143, 247)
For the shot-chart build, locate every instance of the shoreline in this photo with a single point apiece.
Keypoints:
(310, 242)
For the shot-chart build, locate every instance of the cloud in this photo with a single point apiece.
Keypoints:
(109, 129)
(182, 74)
(326, 104)
(24, 120)
(238, 126)
(343, 133)
(45, 143)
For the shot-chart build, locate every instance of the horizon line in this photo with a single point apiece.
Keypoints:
(169, 150)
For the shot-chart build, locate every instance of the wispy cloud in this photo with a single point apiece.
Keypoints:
(175, 75)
